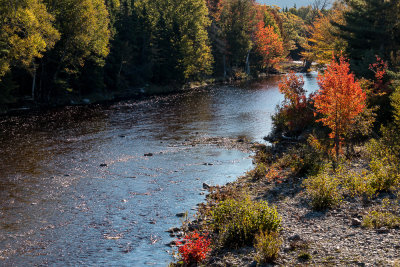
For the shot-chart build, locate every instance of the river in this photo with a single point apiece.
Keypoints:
(77, 189)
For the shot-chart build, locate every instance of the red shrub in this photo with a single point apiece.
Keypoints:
(195, 247)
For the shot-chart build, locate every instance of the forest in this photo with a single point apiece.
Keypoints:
(57, 52)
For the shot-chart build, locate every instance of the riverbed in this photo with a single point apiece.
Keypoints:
(98, 185)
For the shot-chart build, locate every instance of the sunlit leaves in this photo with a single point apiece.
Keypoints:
(324, 40)
(268, 44)
(339, 100)
(26, 33)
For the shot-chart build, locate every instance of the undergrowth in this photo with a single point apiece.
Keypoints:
(238, 221)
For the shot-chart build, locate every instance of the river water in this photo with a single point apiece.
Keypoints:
(60, 207)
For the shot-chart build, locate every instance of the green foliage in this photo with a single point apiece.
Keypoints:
(84, 32)
(383, 216)
(237, 19)
(259, 171)
(356, 183)
(303, 159)
(262, 155)
(371, 28)
(238, 221)
(384, 165)
(395, 101)
(362, 128)
(377, 219)
(323, 189)
(293, 32)
(267, 245)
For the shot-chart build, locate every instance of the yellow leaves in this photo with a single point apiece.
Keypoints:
(324, 40)
(27, 32)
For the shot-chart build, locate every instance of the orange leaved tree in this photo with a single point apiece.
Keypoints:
(268, 44)
(340, 99)
(296, 113)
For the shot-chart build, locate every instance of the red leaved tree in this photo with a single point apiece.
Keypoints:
(291, 86)
(268, 44)
(295, 110)
(340, 99)
(379, 68)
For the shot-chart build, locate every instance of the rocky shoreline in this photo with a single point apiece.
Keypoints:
(333, 237)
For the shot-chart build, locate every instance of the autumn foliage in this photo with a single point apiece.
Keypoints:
(379, 68)
(297, 115)
(268, 44)
(339, 100)
(194, 248)
(291, 86)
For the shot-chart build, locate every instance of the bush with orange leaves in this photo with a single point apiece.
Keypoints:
(295, 113)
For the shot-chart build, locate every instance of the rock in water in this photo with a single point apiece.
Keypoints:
(206, 186)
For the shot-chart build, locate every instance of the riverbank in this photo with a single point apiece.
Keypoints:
(27, 104)
(347, 234)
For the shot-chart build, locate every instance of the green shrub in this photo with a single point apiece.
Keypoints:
(323, 189)
(259, 171)
(267, 246)
(384, 166)
(356, 184)
(382, 216)
(238, 221)
(377, 219)
(302, 160)
(263, 156)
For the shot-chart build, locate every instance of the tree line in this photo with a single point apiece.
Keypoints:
(52, 50)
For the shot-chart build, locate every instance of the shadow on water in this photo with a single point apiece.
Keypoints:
(76, 188)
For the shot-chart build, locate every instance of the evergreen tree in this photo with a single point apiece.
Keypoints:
(370, 29)
(85, 35)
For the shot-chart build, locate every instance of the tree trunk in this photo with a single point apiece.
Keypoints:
(34, 82)
(335, 164)
(307, 66)
(248, 63)
(224, 64)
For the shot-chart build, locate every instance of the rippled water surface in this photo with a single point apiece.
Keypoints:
(59, 207)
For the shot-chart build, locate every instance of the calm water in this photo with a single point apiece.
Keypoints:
(59, 207)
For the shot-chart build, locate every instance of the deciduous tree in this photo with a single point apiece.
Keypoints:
(324, 39)
(268, 44)
(26, 32)
(339, 100)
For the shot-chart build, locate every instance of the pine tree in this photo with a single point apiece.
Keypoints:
(370, 28)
